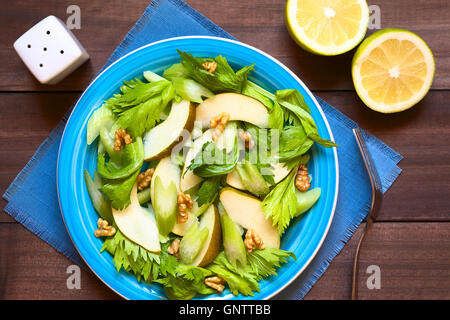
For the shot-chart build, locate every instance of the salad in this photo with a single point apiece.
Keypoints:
(200, 172)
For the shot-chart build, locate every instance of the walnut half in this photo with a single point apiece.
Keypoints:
(216, 283)
(246, 137)
(185, 203)
(104, 229)
(219, 122)
(174, 248)
(210, 66)
(121, 138)
(253, 241)
(144, 179)
(302, 180)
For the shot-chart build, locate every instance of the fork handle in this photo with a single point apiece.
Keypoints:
(356, 261)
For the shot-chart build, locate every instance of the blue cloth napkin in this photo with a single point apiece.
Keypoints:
(32, 197)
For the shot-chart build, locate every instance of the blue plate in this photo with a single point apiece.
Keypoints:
(304, 237)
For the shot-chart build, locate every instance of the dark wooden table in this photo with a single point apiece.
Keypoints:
(411, 240)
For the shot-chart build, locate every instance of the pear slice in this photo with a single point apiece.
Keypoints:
(238, 106)
(163, 193)
(138, 224)
(247, 211)
(210, 220)
(234, 180)
(181, 228)
(279, 173)
(188, 179)
(159, 141)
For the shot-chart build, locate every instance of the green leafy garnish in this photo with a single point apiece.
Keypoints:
(281, 203)
(292, 96)
(141, 118)
(212, 161)
(293, 143)
(260, 264)
(186, 282)
(135, 92)
(133, 258)
(276, 117)
(209, 189)
(118, 190)
(264, 262)
(224, 79)
(131, 159)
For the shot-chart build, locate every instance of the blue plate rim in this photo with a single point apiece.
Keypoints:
(295, 77)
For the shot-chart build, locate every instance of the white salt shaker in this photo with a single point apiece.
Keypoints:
(50, 50)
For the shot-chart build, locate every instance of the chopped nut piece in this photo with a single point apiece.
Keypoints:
(184, 203)
(104, 229)
(144, 179)
(216, 283)
(253, 241)
(247, 138)
(121, 138)
(219, 122)
(174, 247)
(302, 180)
(210, 66)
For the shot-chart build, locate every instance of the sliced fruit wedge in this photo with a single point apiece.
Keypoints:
(234, 180)
(238, 106)
(246, 211)
(159, 141)
(138, 224)
(210, 220)
(327, 27)
(180, 229)
(392, 70)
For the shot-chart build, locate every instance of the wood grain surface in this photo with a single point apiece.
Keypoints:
(411, 240)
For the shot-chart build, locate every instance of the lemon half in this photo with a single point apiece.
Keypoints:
(392, 70)
(327, 27)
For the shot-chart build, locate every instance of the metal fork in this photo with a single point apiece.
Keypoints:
(377, 196)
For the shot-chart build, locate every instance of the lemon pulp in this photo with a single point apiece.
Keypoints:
(392, 70)
(327, 27)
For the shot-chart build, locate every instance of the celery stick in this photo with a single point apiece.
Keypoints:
(103, 117)
(232, 240)
(144, 196)
(227, 139)
(153, 77)
(107, 142)
(101, 205)
(305, 200)
(98, 182)
(252, 179)
(191, 90)
(192, 243)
